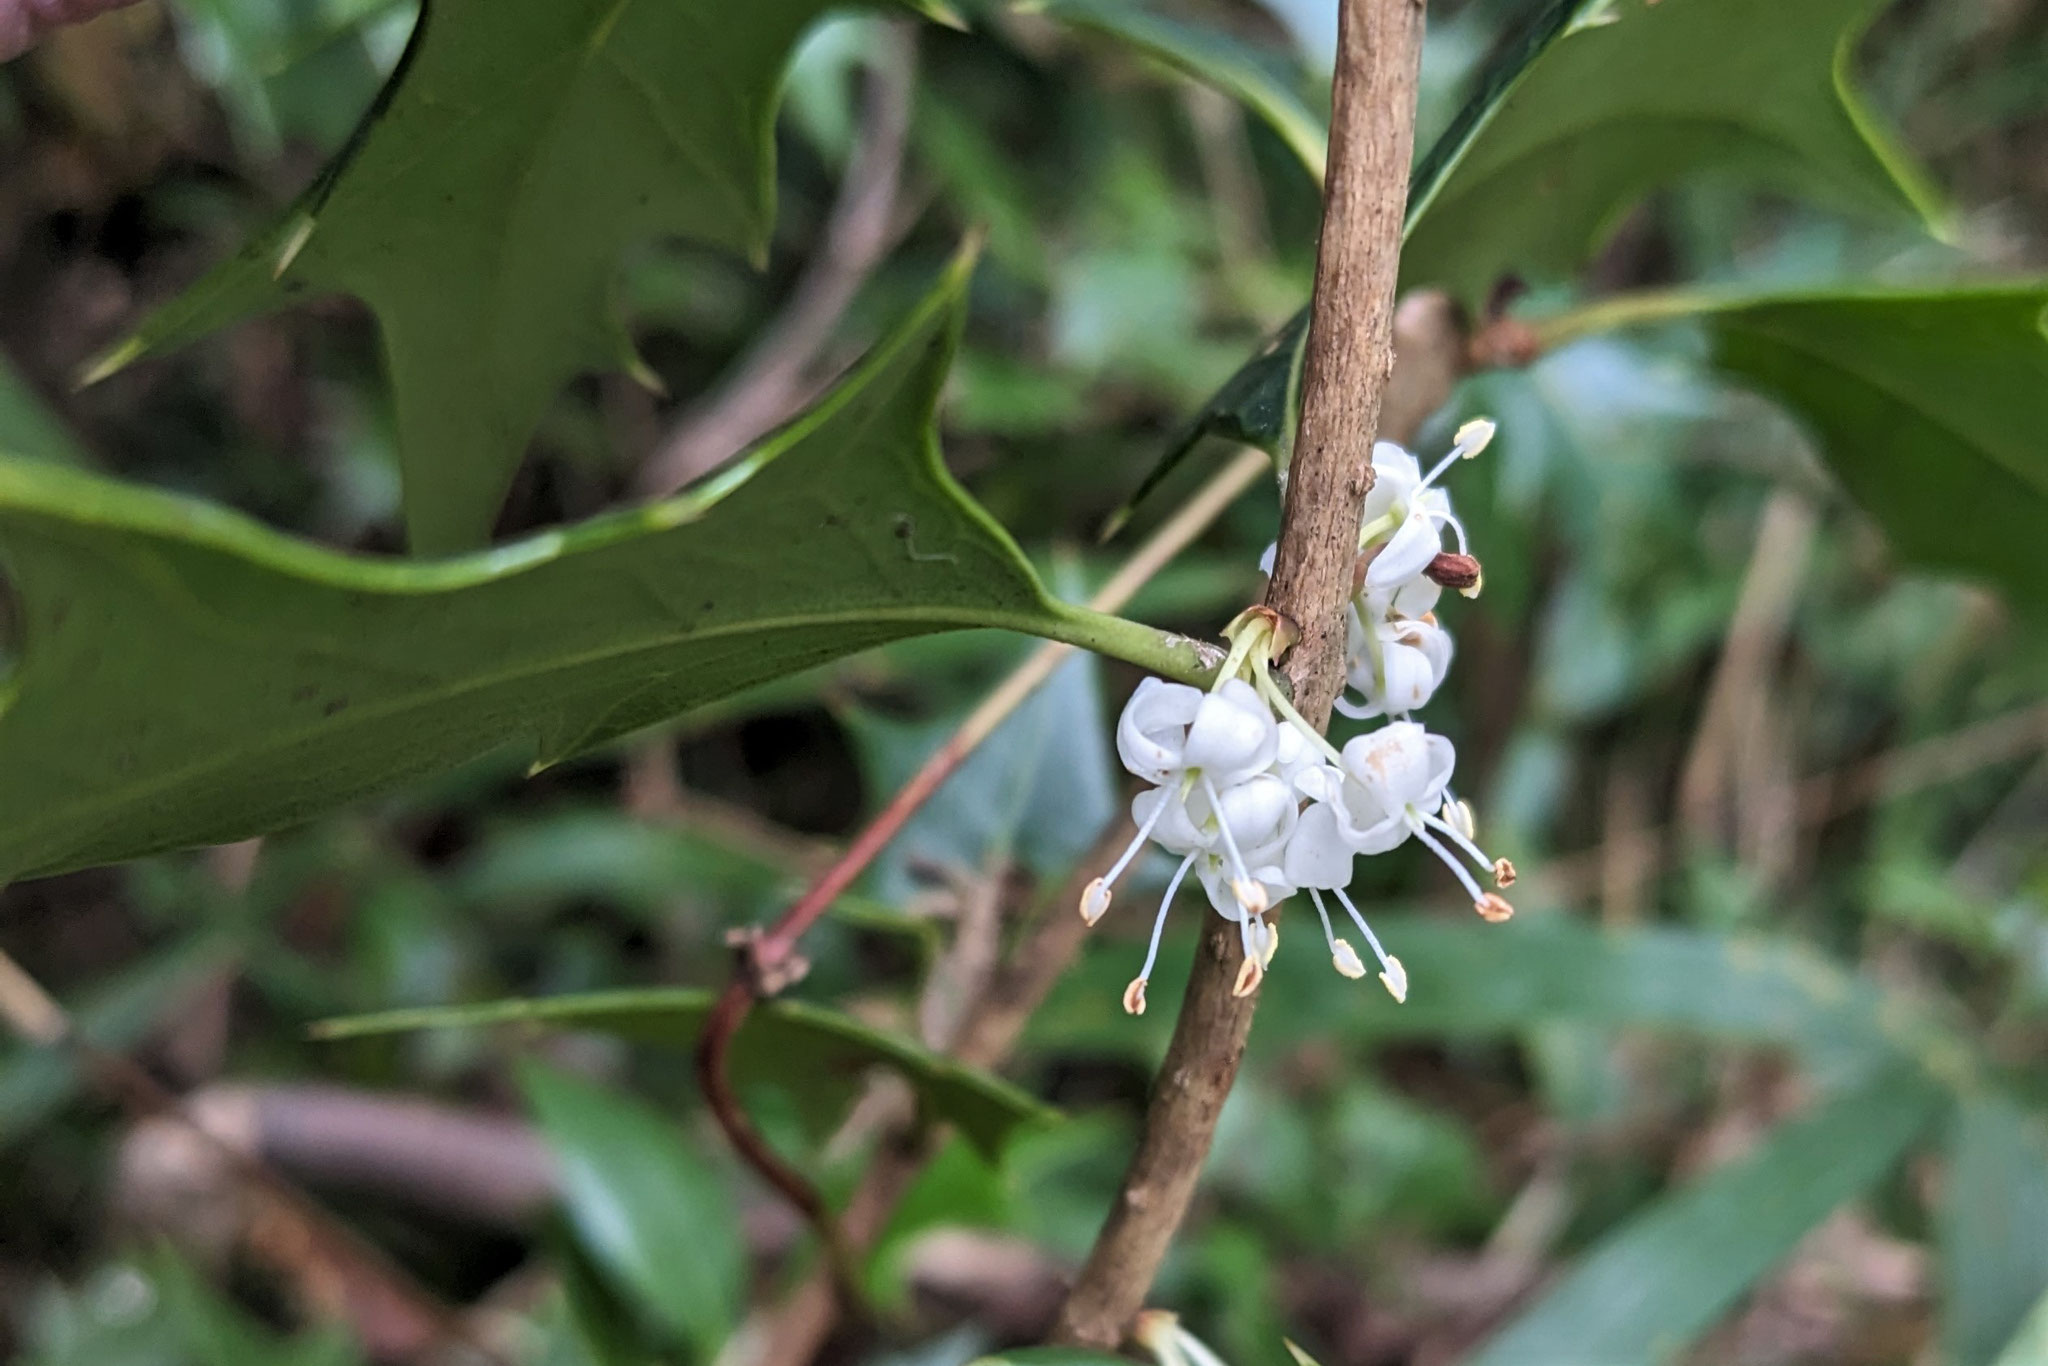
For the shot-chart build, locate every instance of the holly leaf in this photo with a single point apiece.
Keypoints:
(186, 676)
(481, 207)
(1633, 95)
(1929, 405)
(1594, 104)
(1259, 405)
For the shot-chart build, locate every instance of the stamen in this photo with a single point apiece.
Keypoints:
(1376, 528)
(1464, 842)
(1450, 519)
(1272, 929)
(1450, 860)
(1474, 436)
(1457, 815)
(1342, 956)
(1503, 873)
(1249, 975)
(1094, 900)
(1134, 997)
(1159, 920)
(1096, 895)
(1241, 879)
(1493, 908)
(1392, 975)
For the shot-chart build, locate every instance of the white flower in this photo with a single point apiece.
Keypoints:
(1319, 859)
(1405, 512)
(1395, 665)
(1169, 729)
(1395, 781)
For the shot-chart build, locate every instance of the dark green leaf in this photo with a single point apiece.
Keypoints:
(1646, 1292)
(188, 677)
(1930, 406)
(1590, 107)
(1993, 1227)
(1636, 94)
(1215, 59)
(651, 1214)
(802, 1047)
(1260, 404)
(470, 211)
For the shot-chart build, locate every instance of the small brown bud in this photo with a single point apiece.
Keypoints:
(1454, 571)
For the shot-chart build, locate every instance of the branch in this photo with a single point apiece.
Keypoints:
(1349, 361)
(768, 959)
(805, 1319)
(770, 380)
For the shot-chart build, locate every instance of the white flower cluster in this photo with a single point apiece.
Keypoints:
(1258, 804)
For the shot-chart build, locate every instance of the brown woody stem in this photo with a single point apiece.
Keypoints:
(769, 959)
(1349, 361)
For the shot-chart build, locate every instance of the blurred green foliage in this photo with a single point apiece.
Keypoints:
(1755, 1075)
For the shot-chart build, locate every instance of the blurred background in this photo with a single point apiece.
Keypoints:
(1777, 802)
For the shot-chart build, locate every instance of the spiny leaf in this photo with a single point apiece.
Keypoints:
(187, 677)
(481, 207)
(1593, 105)
(819, 1054)
(1260, 404)
(1646, 1292)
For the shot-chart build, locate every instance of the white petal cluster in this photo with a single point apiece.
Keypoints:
(1258, 806)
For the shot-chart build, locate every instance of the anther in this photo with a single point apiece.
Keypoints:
(1493, 907)
(1395, 980)
(1503, 872)
(1094, 900)
(1248, 977)
(1454, 570)
(1134, 997)
(1345, 959)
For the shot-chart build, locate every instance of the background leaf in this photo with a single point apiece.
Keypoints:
(145, 714)
(1930, 407)
(469, 213)
(28, 427)
(819, 1054)
(1647, 1291)
(1213, 58)
(1589, 107)
(648, 1211)
(1622, 103)
(1993, 1227)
